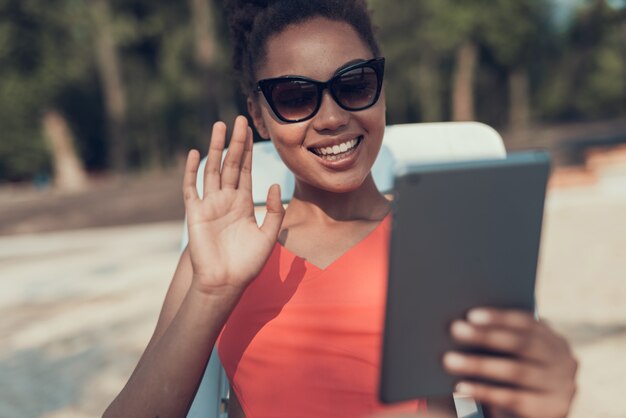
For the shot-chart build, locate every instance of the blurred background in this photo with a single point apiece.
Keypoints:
(101, 99)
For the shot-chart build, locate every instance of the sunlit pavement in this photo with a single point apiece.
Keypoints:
(582, 286)
(78, 308)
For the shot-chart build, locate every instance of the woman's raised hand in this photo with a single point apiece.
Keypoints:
(227, 247)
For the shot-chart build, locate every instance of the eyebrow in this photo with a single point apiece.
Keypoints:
(349, 63)
(337, 71)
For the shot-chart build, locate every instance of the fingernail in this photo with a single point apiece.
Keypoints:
(463, 388)
(479, 316)
(462, 329)
(453, 360)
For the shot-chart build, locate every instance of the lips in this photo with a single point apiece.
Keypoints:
(338, 150)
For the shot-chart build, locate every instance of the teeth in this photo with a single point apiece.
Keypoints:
(336, 149)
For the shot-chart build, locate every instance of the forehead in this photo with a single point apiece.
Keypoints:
(314, 48)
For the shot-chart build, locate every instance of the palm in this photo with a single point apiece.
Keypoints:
(222, 227)
(226, 246)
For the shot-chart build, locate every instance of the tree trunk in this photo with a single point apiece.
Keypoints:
(216, 94)
(107, 61)
(519, 102)
(429, 88)
(204, 33)
(69, 172)
(463, 82)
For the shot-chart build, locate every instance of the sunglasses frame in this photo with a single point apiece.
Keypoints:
(266, 86)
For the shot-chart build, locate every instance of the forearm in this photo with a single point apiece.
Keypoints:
(166, 379)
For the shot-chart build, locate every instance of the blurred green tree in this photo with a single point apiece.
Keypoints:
(420, 36)
(420, 40)
(588, 80)
(518, 34)
(176, 55)
(107, 59)
(133, 82)
(43, 54)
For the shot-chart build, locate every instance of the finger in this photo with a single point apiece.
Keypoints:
(214, 159)
(507, 318)
(520, 402)
(498, 369)
(521, 321)
(557, 342)
(190, 192)
(275, 213)
(504, 340)
(231, 169)
(245, 180)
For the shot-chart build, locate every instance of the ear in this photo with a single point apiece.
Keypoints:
(254, 109)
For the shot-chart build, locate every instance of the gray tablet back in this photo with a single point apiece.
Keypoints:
(463, 235)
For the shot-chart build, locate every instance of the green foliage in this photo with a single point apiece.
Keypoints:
(605, 86)
(516, 31)
(47, 60)
(45, 51)
(588, 80)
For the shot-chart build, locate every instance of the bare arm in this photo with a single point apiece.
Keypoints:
(226, 251)
(167, 376)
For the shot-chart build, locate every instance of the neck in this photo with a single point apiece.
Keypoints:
(365, 203)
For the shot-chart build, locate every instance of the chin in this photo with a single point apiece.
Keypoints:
(339, 185)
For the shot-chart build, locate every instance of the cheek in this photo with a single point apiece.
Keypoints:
(374, 122)
(287, 141)
(286, 137)
(380, 112)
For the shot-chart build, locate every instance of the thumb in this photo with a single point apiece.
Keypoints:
(275, 213)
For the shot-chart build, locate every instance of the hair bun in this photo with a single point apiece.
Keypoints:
(240, 15)
(243, 3)
(252, 22)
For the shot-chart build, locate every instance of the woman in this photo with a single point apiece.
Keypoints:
(296, 305)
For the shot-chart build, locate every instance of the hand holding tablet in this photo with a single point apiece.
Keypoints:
(534, 378)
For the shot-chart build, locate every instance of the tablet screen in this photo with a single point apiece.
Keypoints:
(464, 234)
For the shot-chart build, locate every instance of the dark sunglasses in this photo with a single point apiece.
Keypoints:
(296, 99)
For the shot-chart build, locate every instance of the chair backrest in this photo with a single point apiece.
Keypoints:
(402, 144)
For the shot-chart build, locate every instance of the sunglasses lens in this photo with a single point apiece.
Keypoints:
(357, 89)
(294, 99)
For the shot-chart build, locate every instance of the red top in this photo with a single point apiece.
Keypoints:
(305, 341)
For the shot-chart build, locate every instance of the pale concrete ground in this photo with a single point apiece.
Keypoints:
(582, 285)
(78, 308)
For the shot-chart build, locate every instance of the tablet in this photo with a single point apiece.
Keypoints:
(464, 234)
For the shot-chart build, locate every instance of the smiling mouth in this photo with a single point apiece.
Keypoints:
(337, 152)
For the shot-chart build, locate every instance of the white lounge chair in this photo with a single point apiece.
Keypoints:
(402, 144)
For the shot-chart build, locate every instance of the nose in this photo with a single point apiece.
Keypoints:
(330, 116)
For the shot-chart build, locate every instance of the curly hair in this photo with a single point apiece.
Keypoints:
(253, 22)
